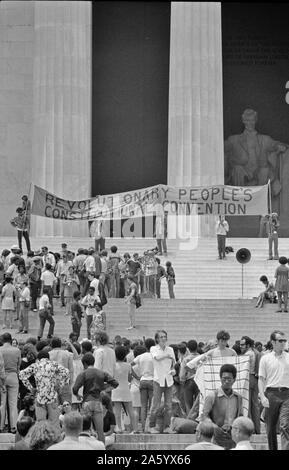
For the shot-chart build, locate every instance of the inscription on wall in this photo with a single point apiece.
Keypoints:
(254, 49)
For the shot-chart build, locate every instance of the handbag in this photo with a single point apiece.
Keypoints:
(138, 301)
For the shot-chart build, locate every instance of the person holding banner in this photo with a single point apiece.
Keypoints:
(222, 228)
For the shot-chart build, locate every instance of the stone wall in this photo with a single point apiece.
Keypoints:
(45, 107)
(16, 103)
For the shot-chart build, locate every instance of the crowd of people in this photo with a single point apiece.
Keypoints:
(64, 394)
(83, 282)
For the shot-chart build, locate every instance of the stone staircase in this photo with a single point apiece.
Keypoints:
(126, 442)
(208, 291)
(183, 319)
(173, 441)
(199, 272)
(7, 440)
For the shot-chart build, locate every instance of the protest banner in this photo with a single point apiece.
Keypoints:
(187, 200)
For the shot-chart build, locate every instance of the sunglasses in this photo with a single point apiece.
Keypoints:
(281, 340)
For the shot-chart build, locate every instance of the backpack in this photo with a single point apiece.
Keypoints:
(35, 275)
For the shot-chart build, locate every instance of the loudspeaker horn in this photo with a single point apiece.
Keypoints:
(243, 255)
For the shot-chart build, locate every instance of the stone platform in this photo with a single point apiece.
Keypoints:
(126, 442)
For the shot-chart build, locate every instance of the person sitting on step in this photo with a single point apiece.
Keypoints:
(268, 294)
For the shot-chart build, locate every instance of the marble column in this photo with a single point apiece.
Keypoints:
(62, 107)
(195, 146)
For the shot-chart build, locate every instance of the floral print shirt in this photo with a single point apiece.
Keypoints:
(49, 377)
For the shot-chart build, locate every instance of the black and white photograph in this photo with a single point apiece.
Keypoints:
(144, 228)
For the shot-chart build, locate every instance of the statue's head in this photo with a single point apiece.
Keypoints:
(249, 118)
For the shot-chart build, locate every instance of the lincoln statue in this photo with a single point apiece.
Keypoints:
(251, 158)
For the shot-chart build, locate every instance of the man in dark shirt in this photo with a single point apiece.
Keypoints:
(272, 225)
(92, 380)
(113, 270)
(76, 314)
(161, 274)
(135, 268)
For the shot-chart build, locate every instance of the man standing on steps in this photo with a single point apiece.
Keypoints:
(274, 390)
(272, 225)
(222, 228)
(164, 361)
(21, 224)
(247, 345)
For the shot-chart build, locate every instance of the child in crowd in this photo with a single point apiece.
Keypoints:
(121, 395)
(64, 409)
(76, 314)
(90, 301)
(98, 322)
(71, 285)
(171, 279)
(8, 304)
(24, 303)
(268, 294)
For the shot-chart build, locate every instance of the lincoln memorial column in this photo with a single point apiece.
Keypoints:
(195, 146)
(62, 107)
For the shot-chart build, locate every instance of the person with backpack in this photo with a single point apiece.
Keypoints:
(34, 275)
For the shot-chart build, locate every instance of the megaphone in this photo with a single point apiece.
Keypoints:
(243, 255)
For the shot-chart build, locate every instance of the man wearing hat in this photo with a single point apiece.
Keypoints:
(272, 225)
